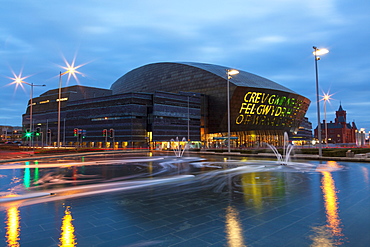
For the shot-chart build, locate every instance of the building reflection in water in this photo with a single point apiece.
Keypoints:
(366, 174)
(36, 175)
(234, 228)
(27, 175)
(150, 168)
(67, 237)
(330, 234)
(252, 190)
(256, 189)
(13, 226)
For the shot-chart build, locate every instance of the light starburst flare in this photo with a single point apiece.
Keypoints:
(18, 80)
(326, 97)
(71, 69)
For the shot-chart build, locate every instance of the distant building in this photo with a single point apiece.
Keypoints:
(304, 133)
(361, 137)
(340, 131)
(10, 133)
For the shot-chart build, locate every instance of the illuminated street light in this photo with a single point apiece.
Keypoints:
(326, 97)
(229, 73)
(71, 70)
(19, 81)
(317, 52)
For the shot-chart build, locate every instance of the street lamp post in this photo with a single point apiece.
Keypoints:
(326, 98)
(18, 80)
(31, 107)
(71, 70)
(188, 118)
(229, 73)
(326, 124)
(316, 53)
(59, 105)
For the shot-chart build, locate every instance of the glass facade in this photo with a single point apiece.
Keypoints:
(161, 101)
(260, 110)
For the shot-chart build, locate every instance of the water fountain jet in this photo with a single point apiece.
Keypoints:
(179, 150)
(284, 158)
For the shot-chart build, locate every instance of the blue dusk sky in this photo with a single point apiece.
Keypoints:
(270, 38)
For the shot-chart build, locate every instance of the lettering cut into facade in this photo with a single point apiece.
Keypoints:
(257, 108)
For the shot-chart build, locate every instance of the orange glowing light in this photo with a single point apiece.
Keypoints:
(319, 52)
(254, 191)
(331, 204)
(13, 227)
(234, 229)
(67, 238)
(10, 195)
(331, 200)
(18, 80)
(71, 69)
(326, 97)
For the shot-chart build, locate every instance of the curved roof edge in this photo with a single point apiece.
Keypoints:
(244, 78)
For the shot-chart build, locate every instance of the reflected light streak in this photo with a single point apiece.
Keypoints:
(252, 190)
(36, 175)
(150, 168)
(13, 227)
(234, 229)
(366, 174)
(87, 190)
(322, 237)
(256, 191)
(27, 176)
(331, 204)
(67, 238)
(331, 201)
(51, 165)
(74, 173)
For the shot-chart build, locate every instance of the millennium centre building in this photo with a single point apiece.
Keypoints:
(156, 103)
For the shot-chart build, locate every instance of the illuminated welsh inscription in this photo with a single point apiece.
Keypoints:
(260, 108)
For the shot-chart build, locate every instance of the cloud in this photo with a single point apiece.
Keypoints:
(13, 45)
(270, 38)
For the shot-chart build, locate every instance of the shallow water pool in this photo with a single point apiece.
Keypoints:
(147, 200)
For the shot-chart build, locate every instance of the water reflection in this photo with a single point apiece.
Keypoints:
(331, 204)
(49, 175)
(366, 174)
(234, 230)
(36, 176)
(67, 237)
(252, 190)
(12, 221)
(267, 188)
(331, 233)
(27, 176)
(260, 188)
(150, 168)
(13, 227)
(322, 237)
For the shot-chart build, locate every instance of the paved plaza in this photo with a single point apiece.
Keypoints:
(235, 204)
